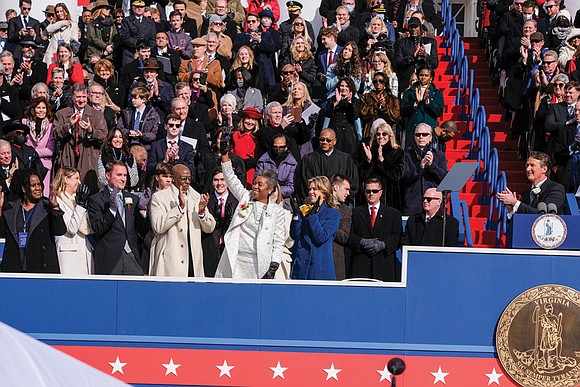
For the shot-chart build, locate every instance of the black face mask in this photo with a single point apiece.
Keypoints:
(445, 138)
(293, 16)
(20, 140)
(278, 155)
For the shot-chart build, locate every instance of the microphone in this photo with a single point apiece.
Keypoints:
(552, 209)
(542, 208)
(396, 367)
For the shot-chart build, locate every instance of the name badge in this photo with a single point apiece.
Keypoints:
(60, 41)
(22, 239)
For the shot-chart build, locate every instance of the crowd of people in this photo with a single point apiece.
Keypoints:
(204, 138)
(536, 46)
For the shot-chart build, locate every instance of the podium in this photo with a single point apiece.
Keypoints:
(519, 233)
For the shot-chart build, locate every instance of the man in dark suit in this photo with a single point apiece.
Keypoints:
(116, 221)
(162, 49)
(542, 190)
(23, 26)
(326, 57)
(340, 192)
(135, 28)
(189, 24)
(10, 107)
(560, 116)
(375, 236)
(221, 205)
(426, 227)
(192, 131)
(5, 45)
(567, 153)
(425, 6)
(413, 52)
(171, 149)
(33, 69)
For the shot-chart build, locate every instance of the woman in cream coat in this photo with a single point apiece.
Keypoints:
(75, 253)
(62, 30)
(169, 221)
(254, 243)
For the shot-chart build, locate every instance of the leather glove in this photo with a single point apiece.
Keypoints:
(113, 200)
(312, 119)
(376, 247)
(295, 205)
(271, 271)
(83, 193)
(145, 199)
(365, 244)
(575, 146)
(315, 207)
(46, 203)
(225, 140)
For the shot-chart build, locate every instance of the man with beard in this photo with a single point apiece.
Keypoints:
(444, 133)
(34, 69)
(161, 93)
(279, 159)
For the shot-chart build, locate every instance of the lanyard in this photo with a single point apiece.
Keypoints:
(29, 216)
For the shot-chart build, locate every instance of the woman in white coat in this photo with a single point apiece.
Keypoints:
(62, 30)
(254, 243)
(75, 253)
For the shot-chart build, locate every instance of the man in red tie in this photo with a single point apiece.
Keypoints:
(375, 236)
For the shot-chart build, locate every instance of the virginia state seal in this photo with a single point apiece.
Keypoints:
(538, 337)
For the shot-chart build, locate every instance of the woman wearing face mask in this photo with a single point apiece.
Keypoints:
(422, 102)
(280, 160)
(38, 118)
(75, 252)
(384, 159)
(30, 224)
(246, 96)
(313, 228)
(73, 71)
(59, 91)
(23, 155)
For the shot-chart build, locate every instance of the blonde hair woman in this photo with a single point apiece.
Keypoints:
(75, 253)
(380, 63)
(300, 56)
(313, 228)
(385, 161)
(63, 30)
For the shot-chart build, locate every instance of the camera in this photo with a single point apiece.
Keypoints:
(202, 78)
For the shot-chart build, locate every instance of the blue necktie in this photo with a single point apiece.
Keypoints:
(137, 122)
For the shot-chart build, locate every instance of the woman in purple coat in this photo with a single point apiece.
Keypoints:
(38, 118)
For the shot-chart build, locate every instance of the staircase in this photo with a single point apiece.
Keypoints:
(458, 148)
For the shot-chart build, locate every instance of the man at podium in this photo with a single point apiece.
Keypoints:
(542, 189)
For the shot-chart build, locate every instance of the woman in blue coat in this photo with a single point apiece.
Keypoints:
(313, 228)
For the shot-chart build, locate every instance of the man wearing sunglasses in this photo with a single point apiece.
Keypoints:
(375, 235)
(426, 227)
(425, 167)
(220, 22)
(325, 161)
(23, 26)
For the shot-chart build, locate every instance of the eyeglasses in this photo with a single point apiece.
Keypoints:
(299, 24)
(559, 85)
(547, 6)
(382, 134)
(252, 21)
(26, 8)
(324, 139)
(195, 79)
(428, 198)
(96, 93)
(548, 62)
(377, 81)
(50, 15)
(372, 191)
(184, 178)
(422, 134)
(519, 4)
(139, 6)
(218, 23)
(288, 72)
(279, 147)
(173, 125)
